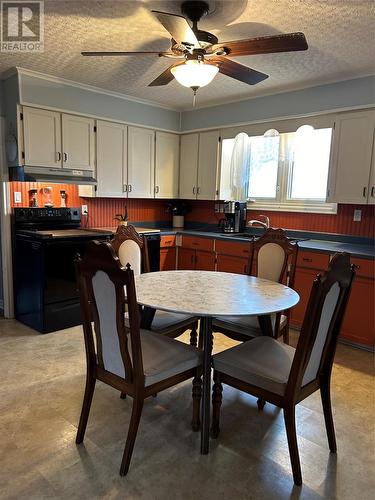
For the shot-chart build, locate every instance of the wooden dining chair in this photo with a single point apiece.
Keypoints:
(131, 247)
(136, 362)
(284, 376)
(274, 258)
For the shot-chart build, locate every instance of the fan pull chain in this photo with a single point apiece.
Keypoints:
(194, 89)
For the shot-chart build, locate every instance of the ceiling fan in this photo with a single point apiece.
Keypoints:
(199, 54)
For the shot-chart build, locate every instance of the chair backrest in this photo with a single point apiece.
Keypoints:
(274, 257)
(321, 325)
(131, 248)
(105, 289)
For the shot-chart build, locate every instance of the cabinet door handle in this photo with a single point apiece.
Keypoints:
(156, 189)
(364, 192)
(372, 192)
(130, 188)
(198, 190)
(306, 259)
(58, 154)
(193, 189)
(125, 188)
(65, 157)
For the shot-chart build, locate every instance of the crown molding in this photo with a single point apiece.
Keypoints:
(90, 88)
(220, 102)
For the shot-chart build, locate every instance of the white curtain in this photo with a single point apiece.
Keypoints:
(240, 167)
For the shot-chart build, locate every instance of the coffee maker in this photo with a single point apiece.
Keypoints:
(235, 217)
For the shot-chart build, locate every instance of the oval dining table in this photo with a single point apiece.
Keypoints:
(208, 295)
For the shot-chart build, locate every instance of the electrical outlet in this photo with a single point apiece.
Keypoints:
(17, 197)
(357, 215)
(84, 210)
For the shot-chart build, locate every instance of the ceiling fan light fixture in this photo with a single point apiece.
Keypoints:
(195, 73)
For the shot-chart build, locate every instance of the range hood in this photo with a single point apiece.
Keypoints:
(54, 175)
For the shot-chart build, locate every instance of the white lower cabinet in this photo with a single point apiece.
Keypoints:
(167, 149)
(111, 159)
(352, 151)
(199, 165)
(141, 150)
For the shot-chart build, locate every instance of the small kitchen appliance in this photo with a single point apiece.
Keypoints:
(235, 217)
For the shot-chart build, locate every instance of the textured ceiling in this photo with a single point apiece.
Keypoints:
(340, 34)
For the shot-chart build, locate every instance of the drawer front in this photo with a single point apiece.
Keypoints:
(232, 248)
(313, 260)
(364, 267)
(198, 243)
(168, 241)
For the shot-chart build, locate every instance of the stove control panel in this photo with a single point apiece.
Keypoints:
(47, 214)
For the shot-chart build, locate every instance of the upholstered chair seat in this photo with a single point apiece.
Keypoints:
(246, 325)
(264, 362)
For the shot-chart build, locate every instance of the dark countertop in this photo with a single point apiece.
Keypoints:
(366, 251)
(356, 246)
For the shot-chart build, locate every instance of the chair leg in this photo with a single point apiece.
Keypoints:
(132, 434)
(86, 405)
(286, 335)
(193, 337)
(290, 426)
(217, 398)
(197, 395)
(123, 395)
(261, 402)
(325, 394)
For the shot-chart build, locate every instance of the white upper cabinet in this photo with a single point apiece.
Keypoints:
(351, 158)
(111, 159)
(78, 142)
(42, 138)
(208, 165)
(189, 166)
(141, 158)
(199, 165)
(167, 149)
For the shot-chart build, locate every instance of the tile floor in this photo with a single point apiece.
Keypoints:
(41, 387)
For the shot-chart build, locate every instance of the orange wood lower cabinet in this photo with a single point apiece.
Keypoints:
(186, 258)
(231, 264)
(302, 285)
(204, 261)
(195, 259)
(168, 259)
(359, 320)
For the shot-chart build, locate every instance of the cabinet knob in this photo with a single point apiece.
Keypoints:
(58, 154)
(65, 156)
(372, 192)
(156, 189)
(125, 188)
(364, 192)
(198, 190)
(130, 188)
(193, 189)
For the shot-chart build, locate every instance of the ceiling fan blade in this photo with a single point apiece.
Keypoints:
(237, 71)
(264, 45)
(178, 27)
(125, 53)
(165, 77)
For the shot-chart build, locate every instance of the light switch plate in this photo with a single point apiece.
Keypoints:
(357, 215)
(17, 197)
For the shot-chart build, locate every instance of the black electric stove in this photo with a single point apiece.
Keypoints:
(46, 241)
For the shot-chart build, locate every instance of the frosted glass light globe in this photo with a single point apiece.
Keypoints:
(194, 73)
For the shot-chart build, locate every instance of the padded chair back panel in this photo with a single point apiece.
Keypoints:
(328, 310)
(105, 298)
(271, 258)
(130, 252)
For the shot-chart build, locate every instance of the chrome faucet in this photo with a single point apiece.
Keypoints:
(264, 223)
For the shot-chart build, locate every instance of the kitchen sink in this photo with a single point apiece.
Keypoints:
(253, 237)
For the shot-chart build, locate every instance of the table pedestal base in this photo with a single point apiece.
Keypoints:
(205, 332)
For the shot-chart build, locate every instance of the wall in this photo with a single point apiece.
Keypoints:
(24, 187)
(340, 95)
(61, 95)
(341, 223)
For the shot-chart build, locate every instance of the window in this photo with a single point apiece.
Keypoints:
(287, 171)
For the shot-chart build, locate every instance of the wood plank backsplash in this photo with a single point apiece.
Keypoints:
(102, 210)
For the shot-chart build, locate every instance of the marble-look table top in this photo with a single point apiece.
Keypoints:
(208, 293)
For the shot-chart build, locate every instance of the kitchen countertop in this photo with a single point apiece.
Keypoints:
(366, 251)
